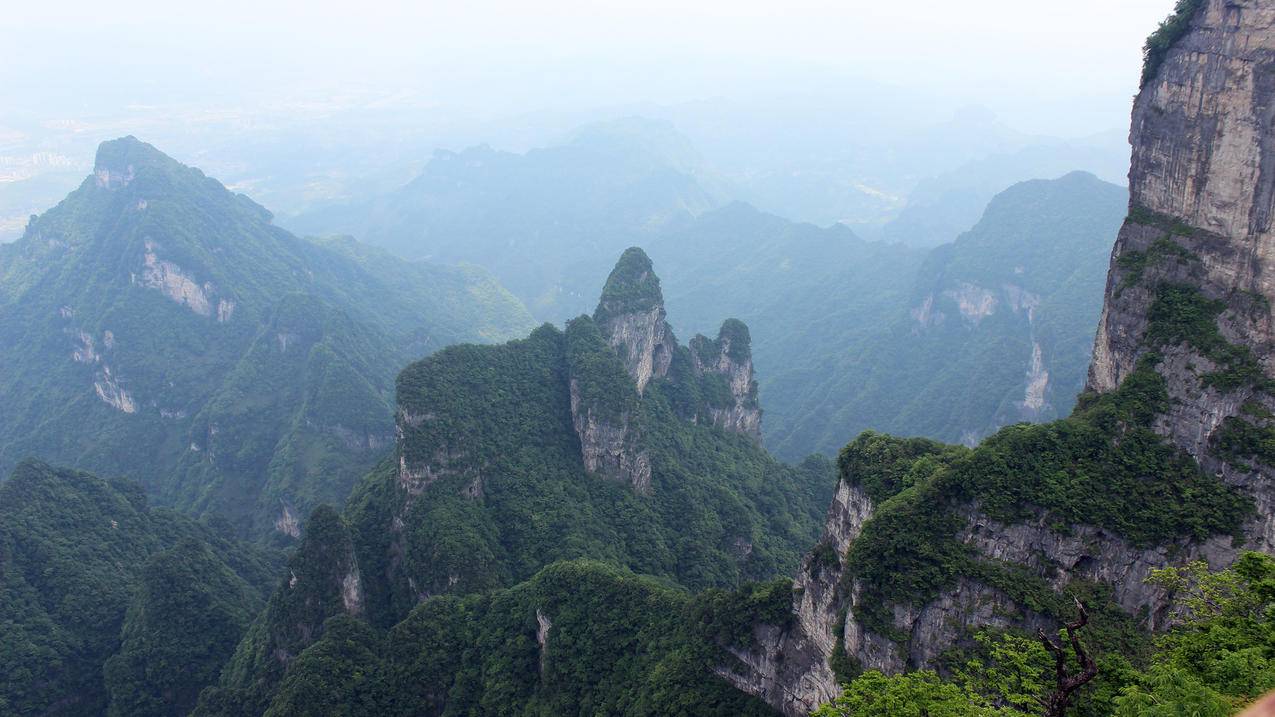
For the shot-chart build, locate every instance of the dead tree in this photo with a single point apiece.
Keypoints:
(1060, 699)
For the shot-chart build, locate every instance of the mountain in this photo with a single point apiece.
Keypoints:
(103, 596)
(940, 208)
(996, 329)
(950, 343)
(607, 441)
(1164, 464)
(579, 637)
(546, 223)
(161, 327)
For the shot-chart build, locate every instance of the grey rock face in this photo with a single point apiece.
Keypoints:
(730, 357)
(1203, 155)
(631, 316)
(644, 342)
(610, 447)
(1203, 178)
(789, 669)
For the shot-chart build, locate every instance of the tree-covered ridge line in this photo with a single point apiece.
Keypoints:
(579, 637)
(112, 606)
(152, 308)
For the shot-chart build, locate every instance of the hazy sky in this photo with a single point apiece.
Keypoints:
(1073, 63)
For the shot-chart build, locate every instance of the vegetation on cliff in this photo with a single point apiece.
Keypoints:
(580, 637)
(507, 492)
(1217, 658)
(1171, 30)
(1103, 466)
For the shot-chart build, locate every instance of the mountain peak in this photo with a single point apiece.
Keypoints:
(118, 160)
(632, 287)
(631, 317)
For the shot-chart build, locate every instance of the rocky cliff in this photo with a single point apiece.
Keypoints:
(730, 357)
(632, 318)
(1199, 238)
(604, 409)
(925, 544)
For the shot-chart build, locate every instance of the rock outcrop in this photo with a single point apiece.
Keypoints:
(629, 325)
(1188, 297)
(604, 409)
(730, 357)
(1202, 195)
(631, 316)
(790, 669)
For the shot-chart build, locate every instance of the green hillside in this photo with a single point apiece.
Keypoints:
(105, 597)
(162, 328)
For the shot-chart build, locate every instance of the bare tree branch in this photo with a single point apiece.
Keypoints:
(1060, 699)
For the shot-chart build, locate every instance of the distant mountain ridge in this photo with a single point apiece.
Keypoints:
(828, 311)
(161, 327)
(996, 329)
(547, 223)
(949, 343)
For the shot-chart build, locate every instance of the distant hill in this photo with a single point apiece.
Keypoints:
(952, 343)
(158, 326)
(547, 223)
(942, 207)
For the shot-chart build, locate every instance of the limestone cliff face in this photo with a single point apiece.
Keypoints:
(1203, 158)
(730, 357)
(604, 410)
(611, 359)
(790, 669)
(632, 318)
(1202, 194)
(1198, 242)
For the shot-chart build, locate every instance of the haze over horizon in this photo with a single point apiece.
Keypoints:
(487, 60)
(296, 103)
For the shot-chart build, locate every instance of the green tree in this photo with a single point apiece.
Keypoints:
(1221, 654)
(915, 694)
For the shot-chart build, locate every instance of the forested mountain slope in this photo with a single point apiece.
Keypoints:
(951, 344)
(607, 441)
(158, 326)
(112, 606)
